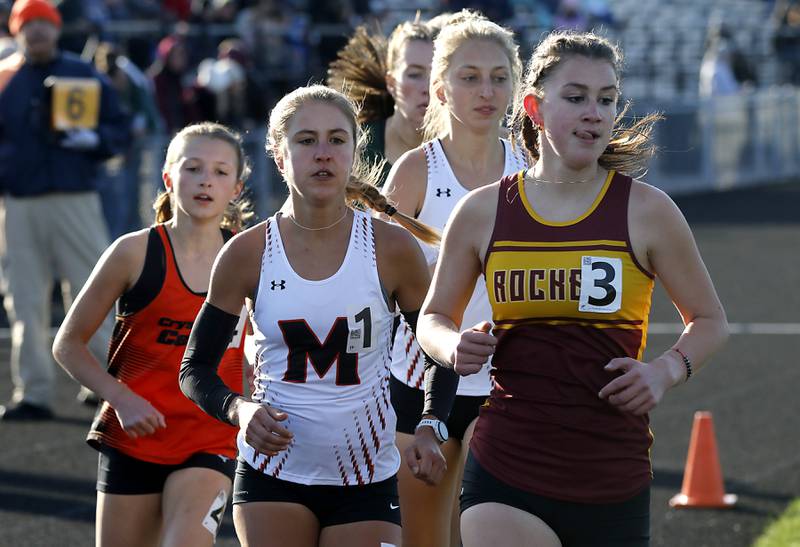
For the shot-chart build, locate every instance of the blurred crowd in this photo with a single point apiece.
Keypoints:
(174, 62)
(228, 59)
(179, 61)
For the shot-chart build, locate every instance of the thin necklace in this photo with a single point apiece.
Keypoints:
(318, 229)
(529, 177)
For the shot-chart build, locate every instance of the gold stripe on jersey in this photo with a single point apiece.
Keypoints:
(534, 244)
(523, 293)
(558, 322)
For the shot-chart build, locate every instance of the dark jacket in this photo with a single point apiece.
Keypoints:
(32, 162)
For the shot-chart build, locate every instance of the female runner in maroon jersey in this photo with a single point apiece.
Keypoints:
(569, 249)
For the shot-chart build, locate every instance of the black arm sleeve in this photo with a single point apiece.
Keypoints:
(211, 333)
(441, 383)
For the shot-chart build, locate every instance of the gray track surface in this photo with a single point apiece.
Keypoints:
(750, 241)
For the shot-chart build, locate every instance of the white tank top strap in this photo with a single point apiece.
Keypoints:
(442, 194)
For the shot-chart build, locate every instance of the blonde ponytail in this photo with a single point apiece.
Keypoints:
(359, 191)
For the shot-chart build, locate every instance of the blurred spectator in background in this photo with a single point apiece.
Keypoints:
(76, 24)
(177, 10)
(716, 70)
(726, 114)
(724, 70)
(215, 11)
(333, 22)
(743, 69)
(52, 224)
(120, 191)
(227, 89)
(139, 46)
(599, 13)
(571, 16)
(170, 75)
(276, 34)
(498, 11)
(7, 43)
(786, 21)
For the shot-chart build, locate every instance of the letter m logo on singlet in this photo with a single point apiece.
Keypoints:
(304, 347)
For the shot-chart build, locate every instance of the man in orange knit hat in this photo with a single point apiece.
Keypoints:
(53, 226)
(26, 10)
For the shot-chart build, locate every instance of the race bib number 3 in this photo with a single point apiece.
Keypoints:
(601, 284)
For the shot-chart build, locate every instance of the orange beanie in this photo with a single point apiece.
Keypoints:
(25, 10)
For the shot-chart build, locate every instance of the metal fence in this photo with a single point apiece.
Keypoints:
(727, 142)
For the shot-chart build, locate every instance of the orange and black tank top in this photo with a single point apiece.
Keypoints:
(566, 298)
(153, 322)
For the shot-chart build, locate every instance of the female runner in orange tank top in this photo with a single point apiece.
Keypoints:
(165, 467)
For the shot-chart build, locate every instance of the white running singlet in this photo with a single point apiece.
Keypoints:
(442, 193)
(322, 356)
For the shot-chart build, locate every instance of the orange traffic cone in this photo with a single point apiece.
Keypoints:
(702, 479)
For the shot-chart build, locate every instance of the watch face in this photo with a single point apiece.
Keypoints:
(441, 431)
(439, 428)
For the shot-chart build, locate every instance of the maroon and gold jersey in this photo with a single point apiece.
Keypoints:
(566, 297)
(152, 327)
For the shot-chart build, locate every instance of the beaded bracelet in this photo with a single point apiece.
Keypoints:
(686, 362)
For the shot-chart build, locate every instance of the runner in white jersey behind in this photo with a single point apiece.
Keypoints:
(321, 280)
(474, 74)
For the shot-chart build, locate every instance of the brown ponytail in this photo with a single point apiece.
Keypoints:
(530, 139)
(359, 191)
(361, 67)
(631, 146)
(163, 207)
(359, 72)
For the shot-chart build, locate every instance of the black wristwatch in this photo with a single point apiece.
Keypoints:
(438, 426)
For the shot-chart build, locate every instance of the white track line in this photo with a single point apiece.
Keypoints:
(735, 328)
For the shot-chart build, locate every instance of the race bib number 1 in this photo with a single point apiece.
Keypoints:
(359, 326)
(240, 326)
(601, 284)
